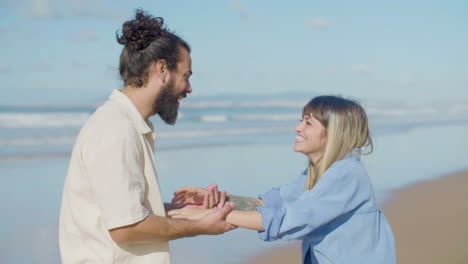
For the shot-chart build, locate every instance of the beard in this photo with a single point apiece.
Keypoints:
(167, 104)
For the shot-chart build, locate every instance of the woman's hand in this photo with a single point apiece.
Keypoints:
(190, 213)
(194, 196)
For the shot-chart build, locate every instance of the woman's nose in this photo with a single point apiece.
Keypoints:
(298, 127)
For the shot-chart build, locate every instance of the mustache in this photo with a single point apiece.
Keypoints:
(182, 95)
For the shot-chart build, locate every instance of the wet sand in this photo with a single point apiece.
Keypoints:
(429, 220)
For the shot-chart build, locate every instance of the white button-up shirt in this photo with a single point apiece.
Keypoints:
(111, 182)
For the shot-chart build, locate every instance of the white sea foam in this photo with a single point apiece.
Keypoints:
(32, 141)
(425, 111)
(248, 117)
(221, 123)
(246, 104)
(214, 118)
(31, 120)
(221, 132)
(270, 117)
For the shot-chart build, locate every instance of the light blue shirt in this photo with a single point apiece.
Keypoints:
(337, 220)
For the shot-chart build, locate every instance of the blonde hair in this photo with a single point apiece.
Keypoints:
(346, 128)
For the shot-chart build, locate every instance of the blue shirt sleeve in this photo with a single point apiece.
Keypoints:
(339, 191)
(276, 196)
(272, 198)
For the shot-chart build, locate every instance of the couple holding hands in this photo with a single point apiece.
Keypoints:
(112, 209)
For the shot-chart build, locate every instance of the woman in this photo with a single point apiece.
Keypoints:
(331, 207)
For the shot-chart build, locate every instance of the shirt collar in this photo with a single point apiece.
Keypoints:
(355, 154)
(120, 98)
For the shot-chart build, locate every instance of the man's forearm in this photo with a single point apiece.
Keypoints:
(156, 228)
(245, 203)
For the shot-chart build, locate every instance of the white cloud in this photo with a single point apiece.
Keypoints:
(6, 3)
(4, 67)
(86, 34)
(9, 28)
(405, 81)
(40, 9)
(41, 66)
(318, 23)
(238, 7)
(361, 68)
(43, 8)
(48, 9)
(79, 64)
(94, 8)
(332, 69)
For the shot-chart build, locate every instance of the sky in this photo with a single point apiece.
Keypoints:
(64, 52)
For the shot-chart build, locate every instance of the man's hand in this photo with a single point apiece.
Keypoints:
(157, 228)
(193, 196)
(215, 223)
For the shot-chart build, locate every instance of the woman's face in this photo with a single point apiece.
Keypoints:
(310, 138)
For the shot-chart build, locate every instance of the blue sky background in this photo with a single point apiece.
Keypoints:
(65, 52)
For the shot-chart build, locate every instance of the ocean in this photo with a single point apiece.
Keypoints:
(243, 143)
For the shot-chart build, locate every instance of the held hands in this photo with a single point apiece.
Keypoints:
(210, 221)
(214, 223)
(190, 213)
(207, 207)
(197, 197)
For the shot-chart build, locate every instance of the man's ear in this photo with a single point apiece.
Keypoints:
(161, 70)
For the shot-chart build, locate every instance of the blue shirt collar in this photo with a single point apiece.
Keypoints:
(355, 154)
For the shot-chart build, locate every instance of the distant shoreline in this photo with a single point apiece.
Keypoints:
(428, 219)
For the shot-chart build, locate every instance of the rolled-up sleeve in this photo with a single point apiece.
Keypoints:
(336, 194)
(114, 167)
(272, 219)
(272, 198)
(272, 205)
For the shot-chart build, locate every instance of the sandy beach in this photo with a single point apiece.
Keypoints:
(429, 220)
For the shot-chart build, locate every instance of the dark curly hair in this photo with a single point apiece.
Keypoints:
(146, 40)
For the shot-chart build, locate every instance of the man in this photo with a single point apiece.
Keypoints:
(112, 210)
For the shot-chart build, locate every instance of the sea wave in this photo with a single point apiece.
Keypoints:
(221, 132)
(218, 118)
(45, 119)
(232, 112)
(455, 108)
(214, 118)
(269, 117)
(32, 141)
(245, 104)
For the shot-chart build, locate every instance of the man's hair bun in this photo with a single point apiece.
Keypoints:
(137, 34)
(146, 40)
